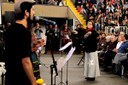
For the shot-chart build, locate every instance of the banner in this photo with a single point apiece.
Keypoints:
(111, 29)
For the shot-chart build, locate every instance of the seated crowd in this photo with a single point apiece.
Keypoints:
(113, 50)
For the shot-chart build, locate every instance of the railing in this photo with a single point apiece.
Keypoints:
(76, 13)
(110, 29)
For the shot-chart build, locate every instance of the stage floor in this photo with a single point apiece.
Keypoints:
(75, 73)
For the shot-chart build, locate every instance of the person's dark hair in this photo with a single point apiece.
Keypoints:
(104, 33)
(24, 6)
(91, 22)
(126, 36)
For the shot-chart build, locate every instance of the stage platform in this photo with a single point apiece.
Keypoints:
(75, 73)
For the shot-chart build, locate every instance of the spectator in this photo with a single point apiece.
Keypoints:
(121, 53)
(81, 10)
(118, 44)
(103, 9)
(110, 7)
(102, 45)
(60, 3)
(39, 2)
(50, 35)
(78, 2)
(97, 25)
(38, 31)
(65, 35)
(51, 2)
(56, 40)
(109, 55)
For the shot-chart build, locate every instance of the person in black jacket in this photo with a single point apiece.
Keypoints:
(91, 66)
(78, 35)
(50, 36)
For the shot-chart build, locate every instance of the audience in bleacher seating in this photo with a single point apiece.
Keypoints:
(105, 13)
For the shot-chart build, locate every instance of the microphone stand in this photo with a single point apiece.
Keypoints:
(67, 74)
(53, 66)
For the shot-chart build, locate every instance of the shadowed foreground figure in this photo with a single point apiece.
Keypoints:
(18, 46)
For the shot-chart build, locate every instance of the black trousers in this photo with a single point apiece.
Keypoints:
(109, 55)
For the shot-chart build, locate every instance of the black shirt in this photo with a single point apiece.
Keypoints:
(90, 43)
(17, 46)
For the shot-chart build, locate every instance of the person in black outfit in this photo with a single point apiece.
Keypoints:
(56, 40)
(91, 65)
(18, 46)
(50, 35)
(78, 35)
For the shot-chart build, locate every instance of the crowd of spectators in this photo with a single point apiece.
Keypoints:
(112, 13)
(112, 50)
(49, 2)
(104, 13)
